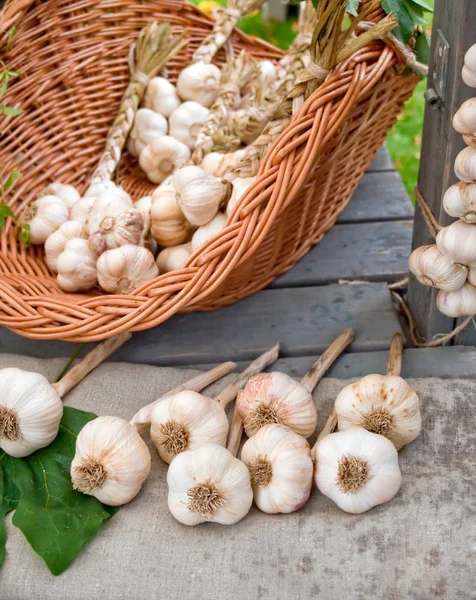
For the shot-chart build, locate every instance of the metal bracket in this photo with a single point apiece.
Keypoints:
(436, 95)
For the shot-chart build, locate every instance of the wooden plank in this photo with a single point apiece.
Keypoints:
(304, 320)
(362, 251)
(382, 162)
(379, 197)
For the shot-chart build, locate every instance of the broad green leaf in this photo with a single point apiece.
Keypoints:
(9, 496)
(404, 31)
(352, 6)
(423, 4)
(416, 13)
(5, 211)
(25, 234)
(422, 47)
(10, 111)
(11, 179)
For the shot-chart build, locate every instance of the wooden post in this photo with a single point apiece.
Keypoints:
(454, 31)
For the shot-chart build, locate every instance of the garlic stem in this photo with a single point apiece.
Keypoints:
(92, 360)
(394, 362)
(235, 434)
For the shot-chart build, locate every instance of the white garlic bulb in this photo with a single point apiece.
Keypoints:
(465, 165)
(173, 258)
(81, 209)
(469, 69)
(168, 225)
(125, 228)
(199, 82)
(200, 197)
(472, 277)
(30, 412)
(44, 216)
(461, 303)
(240, 185)
(458, 243)
(276, 398)
(96, 189)
(161, 96)
(433, 268)
(124, 269)
(267, 72)
(111, 462)
(148, 125)
(186, 121)
(159, 159)
(211, 162)
(56, 242)
(464, 120)
(67, 193)
(206, 232)
(186, 421)
(208, 484)
(281, 469)
(76, 267)
(186, 175)
(460, 201)
(108, 204)
(143, 206)
(357, 469)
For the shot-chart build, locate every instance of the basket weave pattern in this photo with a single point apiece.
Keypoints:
(73, 56)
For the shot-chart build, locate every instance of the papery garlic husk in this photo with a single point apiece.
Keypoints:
(268, 72)
(30, 412)
(382, 404)
(96, 189)
(159, 159)
(460, 201)
(357, 469)
(433, 268)
(201, 198)
(151, 245)
(108, 204)
(276, 398)
(161, 96)
(240, 185)
(81, 209)
(111, 462)
(464, 120)
(67, 193)
(206, 232)
(208, 484)
(168, 225)
(126, 228)
(186, 121)
(148, 125)
(76, 266)
(461, 303)
(211, 162)
(281, 469)
(143, 206)
(465, 165)
(186, 421)
(124, 269)
(173, 258)
(44, 216)
(199, 82)
(186, 175)
(458, 243)
(56, 242)
(229, 162)
(469, 69)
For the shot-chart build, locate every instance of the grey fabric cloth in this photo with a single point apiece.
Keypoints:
(421, 545)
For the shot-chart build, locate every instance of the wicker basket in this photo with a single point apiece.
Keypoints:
(73, 57)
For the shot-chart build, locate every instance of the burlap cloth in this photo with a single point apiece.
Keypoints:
(422, 545)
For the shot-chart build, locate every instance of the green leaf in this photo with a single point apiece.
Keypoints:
(352, 6)
(5, 211)
(25, 234)
(9, 496)
(404, 31)
(416, 13)
(422, 47)
(3, 88)
(423, 4)
(12, 178)
(10, 111)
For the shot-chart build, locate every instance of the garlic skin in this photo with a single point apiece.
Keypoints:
(464, 120)
(472, 277)
(229, 162)
(461, 303)
(67, 193)
(96, 189)
(433, 268)
(124, 269)
(211, 162)
(56, 242)
(161, 96)
(465, 165)
(159, 159)
(186, 175)
(382, 404)
(268, 72)
(199, 82)
(30, 412)
(208, 484)
(111, 462)
(281, 469)
(460, 201)
(458, 243)
(201, 198)
(148, 125)
(173, 258)
(44, 216)
(143, 206)
(240, 185)
(276, 398)
(186, 121)
(168, 225)
(81, 209)
(357, 469)
(107, 205)
(186, 421)
(126, 228)
(76, 267)
(469, 69)
(206, 232)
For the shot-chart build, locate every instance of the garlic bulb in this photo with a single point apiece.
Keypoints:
(281, 469)
(229, 162)
(460, 201)
(357, 469)
(211, 162)
(30, 412)
(44, 216)
(56, 242)
(173, 258)
(208, 484)
(111, 462)
(76, 267)
(461, 303)
(143, 206)
(433, 268)
(267, 72)
(106, 205)
(458, 243)
(124, 269)
(81, 209)
(206, 232)
(464, 120)
(160, 158)
(161, 96)
(126, 228)
(148, 125)
(199, 82)
(168, 225)
(472, 277)
(186, 122)
(465, 165)
(151, 245)
(240, 185)
(276, 398)
(469, 69)
(186, 175)
(186, 421)
(200, 197)
(67, 193)
(96, 189)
